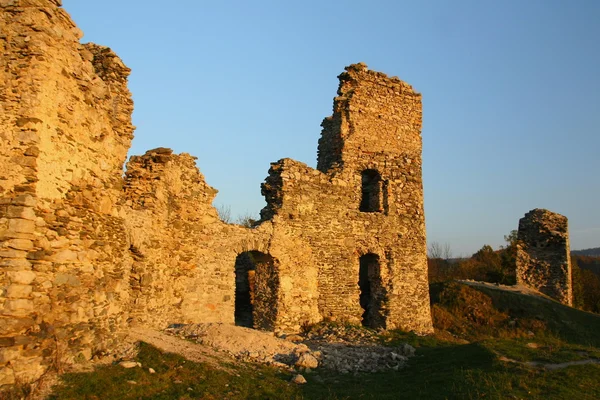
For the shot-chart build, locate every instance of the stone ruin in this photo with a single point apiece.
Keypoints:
(88, 250)
(543, 254)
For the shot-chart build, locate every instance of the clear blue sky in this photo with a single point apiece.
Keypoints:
(511, 96)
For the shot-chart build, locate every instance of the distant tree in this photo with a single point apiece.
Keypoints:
(577, 284)
(484, 265)
(224, 212)
(511, 238)
(487, 256)
(439, 268)
(447, 252)
(437, 250)
(508, 259)
(591, 291)
(246, 220)
(587, 262)
(593, 252)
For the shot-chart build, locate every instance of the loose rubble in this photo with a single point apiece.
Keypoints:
(339, 348)
(348, 348)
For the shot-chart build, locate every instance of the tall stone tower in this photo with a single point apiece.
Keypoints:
(376, 123)
(365, 219)
(543, 254)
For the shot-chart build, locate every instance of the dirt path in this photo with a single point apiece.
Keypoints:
(521, 289)
(570, 363)
(171, 344)
(551, 367)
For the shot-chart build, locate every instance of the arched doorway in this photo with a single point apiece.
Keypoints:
(256, 290)
(372, 292)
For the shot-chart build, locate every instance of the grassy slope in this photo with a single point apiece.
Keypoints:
(474, 328)
(176, 378)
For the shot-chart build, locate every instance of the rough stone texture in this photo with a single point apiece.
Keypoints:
(543, 254)
(375, 127)
(65, 128)
(86, 252)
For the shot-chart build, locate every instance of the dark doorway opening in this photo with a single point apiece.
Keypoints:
(372, 292)
(371, 191)
(256, 289)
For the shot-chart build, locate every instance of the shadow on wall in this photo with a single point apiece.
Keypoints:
(372, 292)
(256, 290)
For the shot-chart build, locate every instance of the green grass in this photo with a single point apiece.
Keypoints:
(469, 371)
(475, 327)
(176, 378)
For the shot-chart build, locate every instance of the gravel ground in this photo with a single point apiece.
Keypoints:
(336, 347)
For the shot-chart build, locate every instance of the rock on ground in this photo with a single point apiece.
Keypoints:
(299, 379)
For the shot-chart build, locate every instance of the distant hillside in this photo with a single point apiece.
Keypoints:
(591, 263)
(593, 252)
(477, 310)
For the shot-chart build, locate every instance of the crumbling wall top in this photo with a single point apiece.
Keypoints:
(546, 221)
(374, 116)
(160, 174)
(360, 71)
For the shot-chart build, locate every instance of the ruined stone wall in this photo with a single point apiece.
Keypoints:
(184, 268)
(181, 272)
(376, 127)
(65, 129)
(86, 253)
(543, 254)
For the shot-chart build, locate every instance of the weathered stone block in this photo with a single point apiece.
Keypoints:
(19, 244)
(26, 200)
(63, 256)
(7, 354)
(18, 307)
(7, 341)
(18, 291)
(21, 212)
(21, 277)
(11, 325)
(12, 253)
(66, 279)
(7, 376)
(20, 225)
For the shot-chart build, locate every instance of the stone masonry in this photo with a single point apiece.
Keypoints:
(543, 254)
(88, 250)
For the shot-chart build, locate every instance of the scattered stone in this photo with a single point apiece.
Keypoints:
(299, 379)
(306, 360)
(129, 364)
(294, 338)
(151, 370)
(408, 350)
(337, 353)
